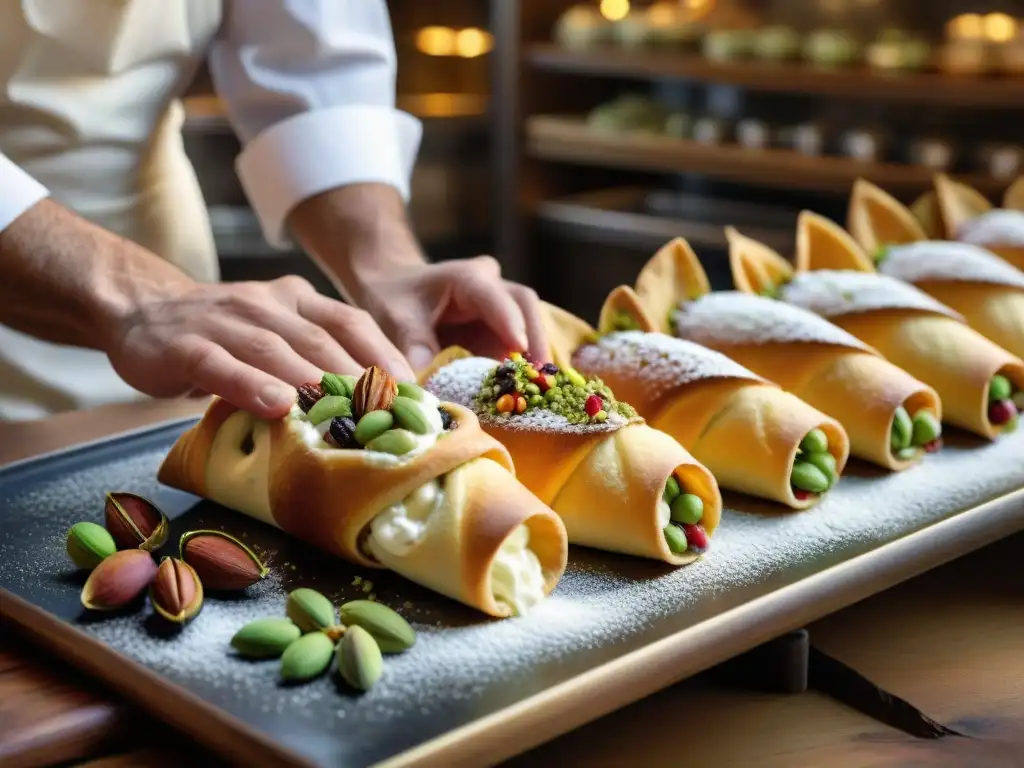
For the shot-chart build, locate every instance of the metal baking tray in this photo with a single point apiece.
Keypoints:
(475, 690)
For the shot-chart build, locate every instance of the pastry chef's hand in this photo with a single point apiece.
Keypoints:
(360, 234)
(250, 343)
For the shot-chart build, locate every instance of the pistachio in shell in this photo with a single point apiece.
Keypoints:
(265, 638)
(135, 521)
(119, 580)
(307, 657)
(222, 561)
(89, 545)
(311, 611)
(392, 633)
(176, 593)
(359, 660)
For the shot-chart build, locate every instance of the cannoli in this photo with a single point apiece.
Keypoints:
(986, 290)
(977, 381)
(891, 418)
(617, 484)
(754, 437)
(956, 212)
(386, 476)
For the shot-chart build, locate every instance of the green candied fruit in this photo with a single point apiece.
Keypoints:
(902, 429)
(926, 428)
(824, 461)
(999, 388)
(675, 538)
(535, 401)
(575, 378)
(532, 389)
(688, 508)
(815, 441)
(672, 490)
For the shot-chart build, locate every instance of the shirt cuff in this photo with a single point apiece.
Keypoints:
(316, 151)
(18, 192)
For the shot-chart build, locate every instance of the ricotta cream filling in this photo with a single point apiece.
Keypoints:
(517, 578)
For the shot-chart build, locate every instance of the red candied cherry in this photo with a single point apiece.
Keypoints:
(593, 405)
(545, 381)
(520, 403)
(1001, 412)
(801, 494)
(933, 446)
(696, 537)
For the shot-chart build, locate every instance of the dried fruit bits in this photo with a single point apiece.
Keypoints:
(1003, 410)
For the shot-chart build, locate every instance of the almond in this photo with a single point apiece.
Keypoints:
(375, 391)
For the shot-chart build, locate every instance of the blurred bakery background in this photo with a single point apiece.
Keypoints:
(571, 139)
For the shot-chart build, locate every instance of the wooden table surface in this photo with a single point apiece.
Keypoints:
(951, 642)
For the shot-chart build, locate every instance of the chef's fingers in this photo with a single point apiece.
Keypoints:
(356, 330)
(211, 368)
(306, 338)
(477, 283)
(529, 304)
(264, 349)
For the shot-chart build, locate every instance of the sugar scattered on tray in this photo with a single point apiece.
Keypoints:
(471, 665)
(938, 260)
(727, 318)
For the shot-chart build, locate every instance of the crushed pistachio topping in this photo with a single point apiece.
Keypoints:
(624, 321)
(518, 385)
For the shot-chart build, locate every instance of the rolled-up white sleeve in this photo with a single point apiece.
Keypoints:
(18, 192)
(309, 86)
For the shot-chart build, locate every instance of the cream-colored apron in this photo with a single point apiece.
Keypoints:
(89, 107)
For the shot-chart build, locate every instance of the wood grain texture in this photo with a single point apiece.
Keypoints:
(567, 139)
(854, 82)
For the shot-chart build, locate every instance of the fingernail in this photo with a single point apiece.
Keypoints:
(277, 396)
(420, 357)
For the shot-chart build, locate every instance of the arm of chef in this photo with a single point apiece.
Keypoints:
(309, 87)
(18, 192)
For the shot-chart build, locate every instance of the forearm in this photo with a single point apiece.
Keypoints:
(356, 232)
(70, 282)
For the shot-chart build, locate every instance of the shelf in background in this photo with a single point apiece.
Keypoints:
(923, 87)
(568, 139)
(639, 218)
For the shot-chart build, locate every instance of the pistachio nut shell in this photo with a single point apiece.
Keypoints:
(119, 580)
(89, 545)
(310, 610)
(307, 657)
(359, 661)
(392, 633)
(265, 638)
(135, 522)
(222, 561)
(176, 593)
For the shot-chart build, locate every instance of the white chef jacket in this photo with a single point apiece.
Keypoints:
(89, 115)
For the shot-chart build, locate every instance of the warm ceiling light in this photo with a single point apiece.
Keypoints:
(436, 41)
(613, 10)
(967, 26)
(472, 42)
(999, 27)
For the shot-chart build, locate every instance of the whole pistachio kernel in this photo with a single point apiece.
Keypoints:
(902, 429)
(815, 441)
(412, 391)
(672, 490)
(329, 407)
(925, 428)
(999, 388)
(372, 425)
(688, 508)
(824, 461)
(338, 384)
(675, 538)
(397, 442)
(808, 477)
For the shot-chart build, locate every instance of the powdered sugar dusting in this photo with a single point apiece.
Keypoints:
(951, 262)
(658, 361)
(464, 666)
(730, 318)
(460, 381)
(834, 293)
(996, 227)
